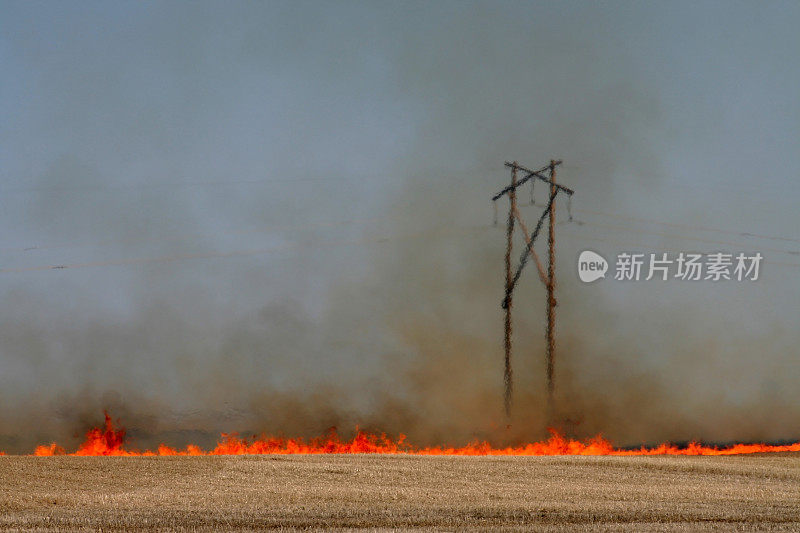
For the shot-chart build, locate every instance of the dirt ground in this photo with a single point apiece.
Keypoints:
(401, 492)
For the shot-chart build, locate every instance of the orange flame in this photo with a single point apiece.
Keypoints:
(110, 441)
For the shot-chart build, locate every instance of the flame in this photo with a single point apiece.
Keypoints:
(110, 441)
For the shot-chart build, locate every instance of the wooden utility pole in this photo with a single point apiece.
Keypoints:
(548, 279)
(507, 374)
(551, 300)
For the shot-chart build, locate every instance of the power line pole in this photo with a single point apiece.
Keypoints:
(551, 300)
(548, 279)
(508, 382)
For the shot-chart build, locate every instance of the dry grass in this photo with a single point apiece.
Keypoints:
(387, 492)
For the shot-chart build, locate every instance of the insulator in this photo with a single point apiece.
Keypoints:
(569, 207)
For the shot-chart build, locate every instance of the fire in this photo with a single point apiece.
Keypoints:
(111, 441)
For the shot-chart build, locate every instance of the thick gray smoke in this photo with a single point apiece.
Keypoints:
(275, 218)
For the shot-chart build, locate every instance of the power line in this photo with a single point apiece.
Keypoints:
(464, 231)
(548, 279)
(102, 188)
(178, 184)
(633, 246)
(686, 237)
(688, 226)
(276, 227)
(680, 236)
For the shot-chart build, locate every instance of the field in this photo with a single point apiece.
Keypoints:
(753, 492)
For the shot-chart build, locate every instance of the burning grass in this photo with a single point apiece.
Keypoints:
(108, 440)
(375, 482)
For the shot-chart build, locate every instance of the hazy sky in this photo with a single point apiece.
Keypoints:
(273, 190)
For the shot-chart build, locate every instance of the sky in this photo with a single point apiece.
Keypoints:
(274, 204)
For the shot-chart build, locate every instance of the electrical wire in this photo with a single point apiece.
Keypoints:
(638, 246)
(688, 238)
(276, 227)
(462, 232)
(239, 253)
(177, 184)
(687, 226)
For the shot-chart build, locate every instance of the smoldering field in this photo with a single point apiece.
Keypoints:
(377, 303)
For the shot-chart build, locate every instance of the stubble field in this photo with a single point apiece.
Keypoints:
(753, 492)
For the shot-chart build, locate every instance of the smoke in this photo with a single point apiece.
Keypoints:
(360, 144)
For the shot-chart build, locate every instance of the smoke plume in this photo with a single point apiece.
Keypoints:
(275, 218)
